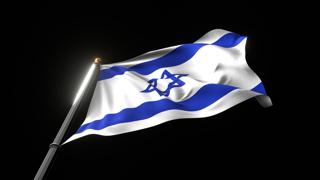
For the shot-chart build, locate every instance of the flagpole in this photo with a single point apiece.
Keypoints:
(53, 147)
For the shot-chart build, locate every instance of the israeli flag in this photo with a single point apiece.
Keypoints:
(185, 81)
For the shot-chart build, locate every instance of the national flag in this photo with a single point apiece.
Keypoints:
(192, 80)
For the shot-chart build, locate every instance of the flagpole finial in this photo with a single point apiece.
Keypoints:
(97, 60)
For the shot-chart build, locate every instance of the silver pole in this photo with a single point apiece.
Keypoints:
(57, 141)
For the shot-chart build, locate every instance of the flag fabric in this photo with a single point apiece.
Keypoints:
(193, 80)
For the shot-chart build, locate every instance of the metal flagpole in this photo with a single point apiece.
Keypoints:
(57, 141)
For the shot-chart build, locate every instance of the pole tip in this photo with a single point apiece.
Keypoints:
(97, 60)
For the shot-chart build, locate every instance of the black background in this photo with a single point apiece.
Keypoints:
(57, 44)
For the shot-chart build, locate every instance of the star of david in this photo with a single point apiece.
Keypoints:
(165, 83)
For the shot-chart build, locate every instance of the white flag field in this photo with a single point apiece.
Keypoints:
(193, 80)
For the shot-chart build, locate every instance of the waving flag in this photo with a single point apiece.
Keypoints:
(193, 80)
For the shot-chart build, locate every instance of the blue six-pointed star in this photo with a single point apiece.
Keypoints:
(168, 80)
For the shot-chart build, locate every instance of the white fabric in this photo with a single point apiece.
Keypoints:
(211, 64)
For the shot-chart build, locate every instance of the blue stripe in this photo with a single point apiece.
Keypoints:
(113, 71)
(260, 89)
(176, 57)
(205, 96)
(229, 40)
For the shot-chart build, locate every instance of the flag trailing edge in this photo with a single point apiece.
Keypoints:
(193, 80)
